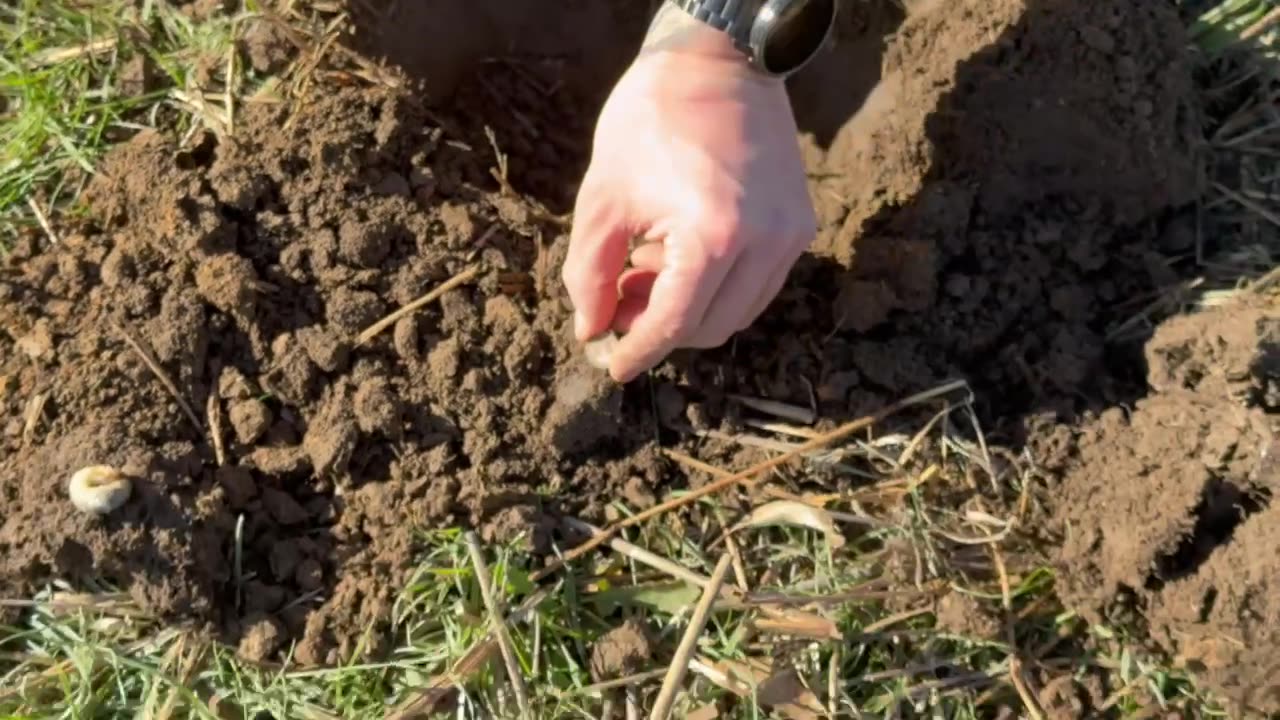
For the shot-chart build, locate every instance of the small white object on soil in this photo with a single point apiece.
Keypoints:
(99, 489)
(599, 350)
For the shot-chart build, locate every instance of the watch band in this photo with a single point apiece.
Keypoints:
(732, 17)
(762, 29)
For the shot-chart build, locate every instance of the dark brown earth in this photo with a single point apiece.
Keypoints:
(993, 208)
(1169, 505)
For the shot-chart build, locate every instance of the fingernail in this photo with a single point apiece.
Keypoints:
(580, 327)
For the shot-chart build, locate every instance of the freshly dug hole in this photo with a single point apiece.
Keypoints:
(250, 265)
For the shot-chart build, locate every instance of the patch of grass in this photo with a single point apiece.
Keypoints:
(78, 77)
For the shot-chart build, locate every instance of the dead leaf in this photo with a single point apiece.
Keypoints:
(778, 689)
(793, 512)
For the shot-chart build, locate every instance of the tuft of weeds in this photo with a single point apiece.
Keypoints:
(77, 78)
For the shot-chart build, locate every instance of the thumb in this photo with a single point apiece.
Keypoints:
(598, 245)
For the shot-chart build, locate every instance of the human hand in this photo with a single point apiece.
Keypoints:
(695, 154)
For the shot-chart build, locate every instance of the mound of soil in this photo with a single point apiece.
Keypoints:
(1170, 505)
(992, 210)
(247, 269)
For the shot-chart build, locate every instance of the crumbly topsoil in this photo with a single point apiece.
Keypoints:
(992, 211)
(1169, 506)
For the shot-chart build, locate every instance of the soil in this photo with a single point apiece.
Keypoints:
(995, 181)
(623, 651)
(1169, 506)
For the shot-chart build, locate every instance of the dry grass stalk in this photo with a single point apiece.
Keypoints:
(1020, 684)
(153, 365)
(798, 624)
(629, 681)
(460, 279)
(750, 474)
(35, 409)
(643, 556)
(57, 56)
(213, 413)
(684, 651)
(782, 428)
(43, 220)
(1265, 23)
(497, 624)
(786, 411)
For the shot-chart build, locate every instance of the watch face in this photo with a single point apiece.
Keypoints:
(796, 30)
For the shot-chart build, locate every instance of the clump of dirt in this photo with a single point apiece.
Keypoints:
(623, 651)
(1170, 505)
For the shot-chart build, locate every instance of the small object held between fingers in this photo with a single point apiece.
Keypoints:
(599, 350)
(99, 489)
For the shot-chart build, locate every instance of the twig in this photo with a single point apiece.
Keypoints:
(42, 219)
(680, 663)
(749, 475)
(154, 365)
(497, 623)
(461, 278)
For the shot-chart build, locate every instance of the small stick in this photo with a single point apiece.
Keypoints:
(461, 278)
(43, 220)
(747, 476)
(697, 623)
(213, 411)
(154, 366)
(498, 623)
(795, 413)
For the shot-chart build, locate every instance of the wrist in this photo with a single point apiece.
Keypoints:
(691, 43)
(675, 31)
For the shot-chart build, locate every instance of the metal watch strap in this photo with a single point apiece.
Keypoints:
(724, 15)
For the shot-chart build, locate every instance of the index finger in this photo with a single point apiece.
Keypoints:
(681, 294)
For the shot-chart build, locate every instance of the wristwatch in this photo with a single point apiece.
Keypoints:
(777, 36)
